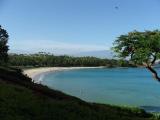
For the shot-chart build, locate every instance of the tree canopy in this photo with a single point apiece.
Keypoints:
(143, 48)
(44, 59)
(3, 46)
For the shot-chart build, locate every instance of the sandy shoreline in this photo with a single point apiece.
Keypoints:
(37, 73)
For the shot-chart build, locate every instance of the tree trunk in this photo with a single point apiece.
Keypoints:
(154, 73)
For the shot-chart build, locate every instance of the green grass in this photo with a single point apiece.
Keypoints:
(22, 100)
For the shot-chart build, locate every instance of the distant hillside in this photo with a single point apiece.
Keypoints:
(100, 54)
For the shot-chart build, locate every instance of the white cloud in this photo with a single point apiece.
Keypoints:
(54, 46)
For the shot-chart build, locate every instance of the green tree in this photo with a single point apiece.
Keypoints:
(3, 46)
(143, 48)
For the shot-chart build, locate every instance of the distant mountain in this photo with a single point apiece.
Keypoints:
(100, 54)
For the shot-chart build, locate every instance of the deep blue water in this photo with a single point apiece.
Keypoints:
(118, 86)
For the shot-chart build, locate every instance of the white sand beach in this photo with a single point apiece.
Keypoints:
(37, 73)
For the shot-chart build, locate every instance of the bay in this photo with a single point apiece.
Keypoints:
(116, 86)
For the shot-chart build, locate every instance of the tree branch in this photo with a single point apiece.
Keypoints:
(154, 59)
(154, 73)
(132, 55)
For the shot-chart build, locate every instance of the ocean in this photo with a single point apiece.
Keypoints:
(116, 86)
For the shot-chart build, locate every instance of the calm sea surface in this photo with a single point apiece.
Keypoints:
(118, 86)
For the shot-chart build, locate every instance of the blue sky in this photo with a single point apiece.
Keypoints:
(72, 26)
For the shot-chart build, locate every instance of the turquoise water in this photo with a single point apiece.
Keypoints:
(118, 86)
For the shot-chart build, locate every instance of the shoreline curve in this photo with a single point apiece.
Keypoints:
(37, 74)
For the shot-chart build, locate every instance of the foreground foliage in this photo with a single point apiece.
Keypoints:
(3, 46)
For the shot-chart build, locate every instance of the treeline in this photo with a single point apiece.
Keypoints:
(44, 59)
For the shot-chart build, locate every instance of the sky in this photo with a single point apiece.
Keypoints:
(72, 26)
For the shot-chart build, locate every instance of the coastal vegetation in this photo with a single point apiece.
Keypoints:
(143, 48)
(45, 59)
